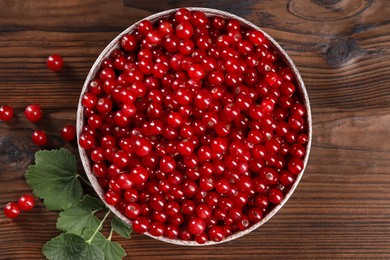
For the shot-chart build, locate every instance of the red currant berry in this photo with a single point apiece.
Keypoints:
(54, 62)
(39, 137)
(6, 113)
(196, 226)
(26, 202)
(139, 175)
(33, 113)
(275, 196)
(11, 210)
(129, 42)
(217, 234)
(87, 141)
(111, 197)
(68, 132)
(184, 30)
(196, 72)
(295, 165)
(133, 210)
(141, 225)
(157, 229)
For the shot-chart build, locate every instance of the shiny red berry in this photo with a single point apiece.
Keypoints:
(33, 113)
(6, 113)
(11, 210)
(68, 132)
(26, 202)
(39, 137)
(54, 62)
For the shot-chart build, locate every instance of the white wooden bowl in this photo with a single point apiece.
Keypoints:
(115, 44)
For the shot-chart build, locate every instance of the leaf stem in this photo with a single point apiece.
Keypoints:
(84, 180)
(97, 229)
(109, 237)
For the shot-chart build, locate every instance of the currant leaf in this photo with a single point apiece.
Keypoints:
(111, 250)
(76, 219)
(91, 203)
(53, 178)
(121, 227)
(70, 246)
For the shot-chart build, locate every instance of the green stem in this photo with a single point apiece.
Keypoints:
(99, 227)
(109, 237)
(84, 180)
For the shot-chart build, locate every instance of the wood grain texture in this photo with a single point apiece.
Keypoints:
(341, 209)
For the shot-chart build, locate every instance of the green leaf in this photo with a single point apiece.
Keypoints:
(53, 178)
(70, 246)
(91, 203)
(121, 227)
(111, 250)
(76, 219)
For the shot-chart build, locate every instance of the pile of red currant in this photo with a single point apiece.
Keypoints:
(194, 126)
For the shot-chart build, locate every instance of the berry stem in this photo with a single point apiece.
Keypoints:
(99, 227)
(110, 236)
(84, 180)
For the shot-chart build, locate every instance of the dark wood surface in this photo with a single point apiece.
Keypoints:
(341, 209)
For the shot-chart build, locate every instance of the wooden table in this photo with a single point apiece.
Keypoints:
(341, 209)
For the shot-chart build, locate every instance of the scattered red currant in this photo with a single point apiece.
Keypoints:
(26, 202)
(39, 137)
(6, 113)
(54, 62)
(33, 112)
(11, 210)
(68, 132)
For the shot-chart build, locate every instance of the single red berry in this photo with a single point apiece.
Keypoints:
(184, 30)
(141, 225)
(196, 226)
(111, 197)
(142, 146)
(133, 210)
(33, 112)
(217, 234)
(39, 137)
(167, 164)
(296, 122)
(257, 37)
(6, 113)
(54, 62)
(255, 215)
(275, 196)
(183, 15)
(26, 202)
(203, 211)
(222, 186)
(11, 210)
(68, 132)
(87, 141)
(156, 229)
(295, 165)
(144, 27)
(171, 231)
(196, 72)
(129, 42)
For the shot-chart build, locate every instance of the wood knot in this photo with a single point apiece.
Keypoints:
(341, 52)
(14, 154)
(327, 10)
(326, 2)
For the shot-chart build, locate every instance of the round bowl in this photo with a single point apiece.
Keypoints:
(209, 12)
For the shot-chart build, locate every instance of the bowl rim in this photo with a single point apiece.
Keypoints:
(209, 12)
